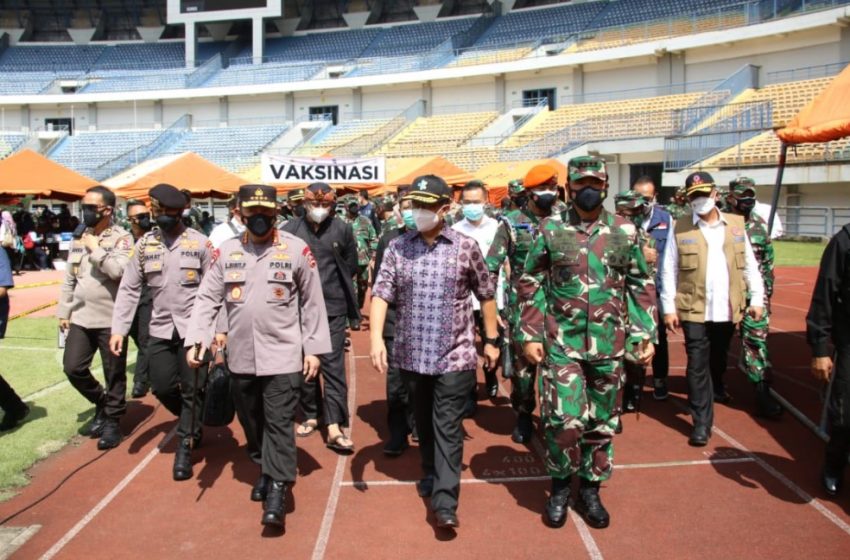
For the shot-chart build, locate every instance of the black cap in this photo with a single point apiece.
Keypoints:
(295, 195)
(428, 189)
(477, 183)
(699, 182)
(257, 195)
(168, 196)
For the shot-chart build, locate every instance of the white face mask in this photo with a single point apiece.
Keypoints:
(319, 214)
(425, 219)
(702, 205)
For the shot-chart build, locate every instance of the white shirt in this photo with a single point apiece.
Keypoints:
(717, 308)
(763, 210)
(224, 231)
(484, 234)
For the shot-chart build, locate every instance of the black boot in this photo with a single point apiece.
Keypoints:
(556, 505)
(523, 429)
(111, 435)
(140, 389)
(836, 460)
(629, 404)
(273, 508)
(766, 405)
(13, 417)
(260, 489)
(95, 429)
(396, 445)
(183, 461)
(491, 383)
(590, 507)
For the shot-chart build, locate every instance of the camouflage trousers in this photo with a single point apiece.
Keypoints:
(579, 409)
(361, 283)
(523, 380)
(754, 361)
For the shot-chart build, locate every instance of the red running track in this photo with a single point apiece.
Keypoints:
(753, 492)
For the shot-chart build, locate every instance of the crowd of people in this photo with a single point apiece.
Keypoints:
(572, 302)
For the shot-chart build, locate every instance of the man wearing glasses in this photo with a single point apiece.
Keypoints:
(96, 263)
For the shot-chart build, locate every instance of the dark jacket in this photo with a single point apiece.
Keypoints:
(383, 243)
(829, 312)
(332, 234)
(660, 228)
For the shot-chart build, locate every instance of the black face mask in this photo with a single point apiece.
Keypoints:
(143, 221)
(299, 211)
(544, 201)
(167, 223)
(259, 224)
(91, 217)
(521, 201)
(745, 205)
(588, 198)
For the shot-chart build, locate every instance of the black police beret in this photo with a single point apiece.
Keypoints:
(169, 196)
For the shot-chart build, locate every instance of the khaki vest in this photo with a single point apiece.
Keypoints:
(693, 257)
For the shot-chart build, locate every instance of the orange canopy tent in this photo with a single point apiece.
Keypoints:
(189, 171)
(497, 175)
(30, 173)
(825, 119)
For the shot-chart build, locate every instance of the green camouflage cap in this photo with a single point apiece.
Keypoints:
(741, 185)
(515, 187)
(587, 166)
(629, 200)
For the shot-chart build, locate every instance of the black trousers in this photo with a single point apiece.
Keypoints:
(80, 346)
(9, 399)
(838, 411)
(141, 336)
(399, 404)
(334, 385)
(707, 346)
(438, 403)
(265, 406)
(173, 383)
(661, 359)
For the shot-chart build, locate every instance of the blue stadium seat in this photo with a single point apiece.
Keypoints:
(231, 147)
(86, 151)
(417, 38)
(533, 24)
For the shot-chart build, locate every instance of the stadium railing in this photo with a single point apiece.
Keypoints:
(813, 221)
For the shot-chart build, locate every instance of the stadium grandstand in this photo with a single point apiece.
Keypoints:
(659, 88)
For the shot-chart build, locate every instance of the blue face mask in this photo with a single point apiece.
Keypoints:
(407, 218)
(473, 212)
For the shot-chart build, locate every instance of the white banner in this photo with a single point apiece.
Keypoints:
(287, 170)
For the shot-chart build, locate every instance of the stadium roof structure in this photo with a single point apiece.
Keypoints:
(826, 118)
(30, 173)
(190, 171)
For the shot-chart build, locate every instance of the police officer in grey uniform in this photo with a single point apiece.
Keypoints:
(96, 262)
(171, 260)
(269, 286)
(140, 223)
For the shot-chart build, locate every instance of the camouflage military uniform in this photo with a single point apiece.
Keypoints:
(754, 333)
(390, 224)
(512, 242)
(367, 242)
(587, 294)
(678, 209)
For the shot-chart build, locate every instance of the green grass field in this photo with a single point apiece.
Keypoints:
(798, 253)
(31, 362)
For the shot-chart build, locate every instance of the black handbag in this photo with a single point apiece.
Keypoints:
(219, 409)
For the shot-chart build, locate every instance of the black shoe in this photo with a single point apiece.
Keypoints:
(425, 487)
(659, 389)
(197, 438)
(619, 428)
(590, 507)
(182, 461)
(556, 505)
(140, 389)
(831, 480)
(111, 436)
(699, 436)
(471, 407)
(629, 398)
(523, 429)
(766, 405)
(446, 519)
(260, 489)
(355, 325)
(396, 446)
(273, 508)
(491, 383)
(95, 429)
(720, 394)
(13, 417)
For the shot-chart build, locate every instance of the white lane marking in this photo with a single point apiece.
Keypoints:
(34, 348)
(362, 484)
(18, 541)
(81, 524)
(336, 485)
(41, 393)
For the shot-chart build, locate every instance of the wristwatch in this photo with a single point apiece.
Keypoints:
(492, 341)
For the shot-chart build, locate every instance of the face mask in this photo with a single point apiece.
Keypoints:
(407, 218)
(745, 205)
(318, 215)
(167, 223)
(259, 224)
(588, 198)
(144, 222)
(544, 199)
(702, 205)
(91, 217)
(425, 220)
(473, 212)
